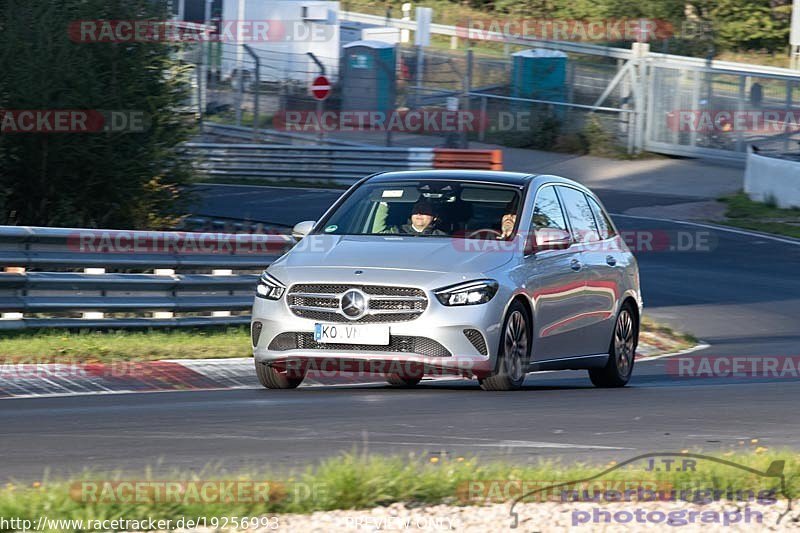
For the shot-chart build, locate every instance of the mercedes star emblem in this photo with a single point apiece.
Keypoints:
(354, 304)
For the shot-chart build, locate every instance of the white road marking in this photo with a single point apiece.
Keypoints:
(701, 346)
(784, 240)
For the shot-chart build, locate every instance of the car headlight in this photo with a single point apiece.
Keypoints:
(270, 288)
(470, 293)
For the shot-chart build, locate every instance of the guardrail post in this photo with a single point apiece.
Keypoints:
(93, 315)
(163, 272)
(221, 272)
(12, 316)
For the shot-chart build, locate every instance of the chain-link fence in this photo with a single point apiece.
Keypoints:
(250, 85)
(705, 109)
(621, 102)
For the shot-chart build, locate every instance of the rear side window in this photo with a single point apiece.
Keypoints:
(580, 215)
(603, 221)
(547, 213)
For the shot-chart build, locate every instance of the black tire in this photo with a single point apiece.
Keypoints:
(513, 353)
(621, 351)
(272, 378)
(403, 380)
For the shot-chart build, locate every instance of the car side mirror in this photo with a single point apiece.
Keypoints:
(301, 229)
(552, 239)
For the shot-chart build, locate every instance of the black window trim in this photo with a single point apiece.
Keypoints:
(522, 189)
(603, 211)
(569, 221)
(552, 184)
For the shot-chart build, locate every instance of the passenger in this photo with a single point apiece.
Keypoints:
(422, 222)
(508, 221)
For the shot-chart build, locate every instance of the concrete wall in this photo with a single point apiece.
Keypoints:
(768, 178)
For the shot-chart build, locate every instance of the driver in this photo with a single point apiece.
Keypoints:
(422, 221)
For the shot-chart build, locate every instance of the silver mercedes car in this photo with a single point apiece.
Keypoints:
(486, 275)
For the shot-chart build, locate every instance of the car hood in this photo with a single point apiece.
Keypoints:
(396, 252)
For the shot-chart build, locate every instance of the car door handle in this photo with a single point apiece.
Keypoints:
(575, 265)
(611, 261)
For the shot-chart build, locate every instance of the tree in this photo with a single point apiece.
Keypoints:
(107, 179)
(746, 24)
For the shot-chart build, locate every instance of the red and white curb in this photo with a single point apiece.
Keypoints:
(23, 380)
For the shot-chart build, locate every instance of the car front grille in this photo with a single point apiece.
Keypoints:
(397, 343)
(320, 301)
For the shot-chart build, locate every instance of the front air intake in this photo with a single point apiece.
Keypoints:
(476, 339)
(255, 332)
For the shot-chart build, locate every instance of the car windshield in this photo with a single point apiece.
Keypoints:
(428, 208)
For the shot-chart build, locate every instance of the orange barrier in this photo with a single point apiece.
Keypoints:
(470, 159)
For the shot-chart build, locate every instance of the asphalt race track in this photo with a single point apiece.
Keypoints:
(738, 292)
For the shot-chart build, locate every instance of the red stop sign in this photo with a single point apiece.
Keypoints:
(321, 87)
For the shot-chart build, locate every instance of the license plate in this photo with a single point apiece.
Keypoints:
(351, 334)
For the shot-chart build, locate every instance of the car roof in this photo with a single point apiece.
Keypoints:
(518, 179)
(491, 176)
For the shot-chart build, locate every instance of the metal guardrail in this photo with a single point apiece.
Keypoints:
(340, 164)
(40, 287)
(272, 136)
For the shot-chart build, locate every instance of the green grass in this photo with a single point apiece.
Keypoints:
(745, 213)
(87, 346)
(358, 481)
(664, 338)
(105, 346)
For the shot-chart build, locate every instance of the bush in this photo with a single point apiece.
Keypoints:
(104, 179)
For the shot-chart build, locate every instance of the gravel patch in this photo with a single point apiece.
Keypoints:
(550, 517)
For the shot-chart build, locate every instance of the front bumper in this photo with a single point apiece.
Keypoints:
(444, 325)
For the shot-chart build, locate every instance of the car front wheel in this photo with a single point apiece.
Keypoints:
(273, 378)
(403, 380)
(513, 354)
(621, 352)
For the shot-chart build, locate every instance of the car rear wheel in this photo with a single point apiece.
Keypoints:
(621, 352)
(272, 378)
(403, 380)
(513, 354)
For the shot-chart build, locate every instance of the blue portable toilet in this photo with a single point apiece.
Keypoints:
(539, 74)
(369, 76)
